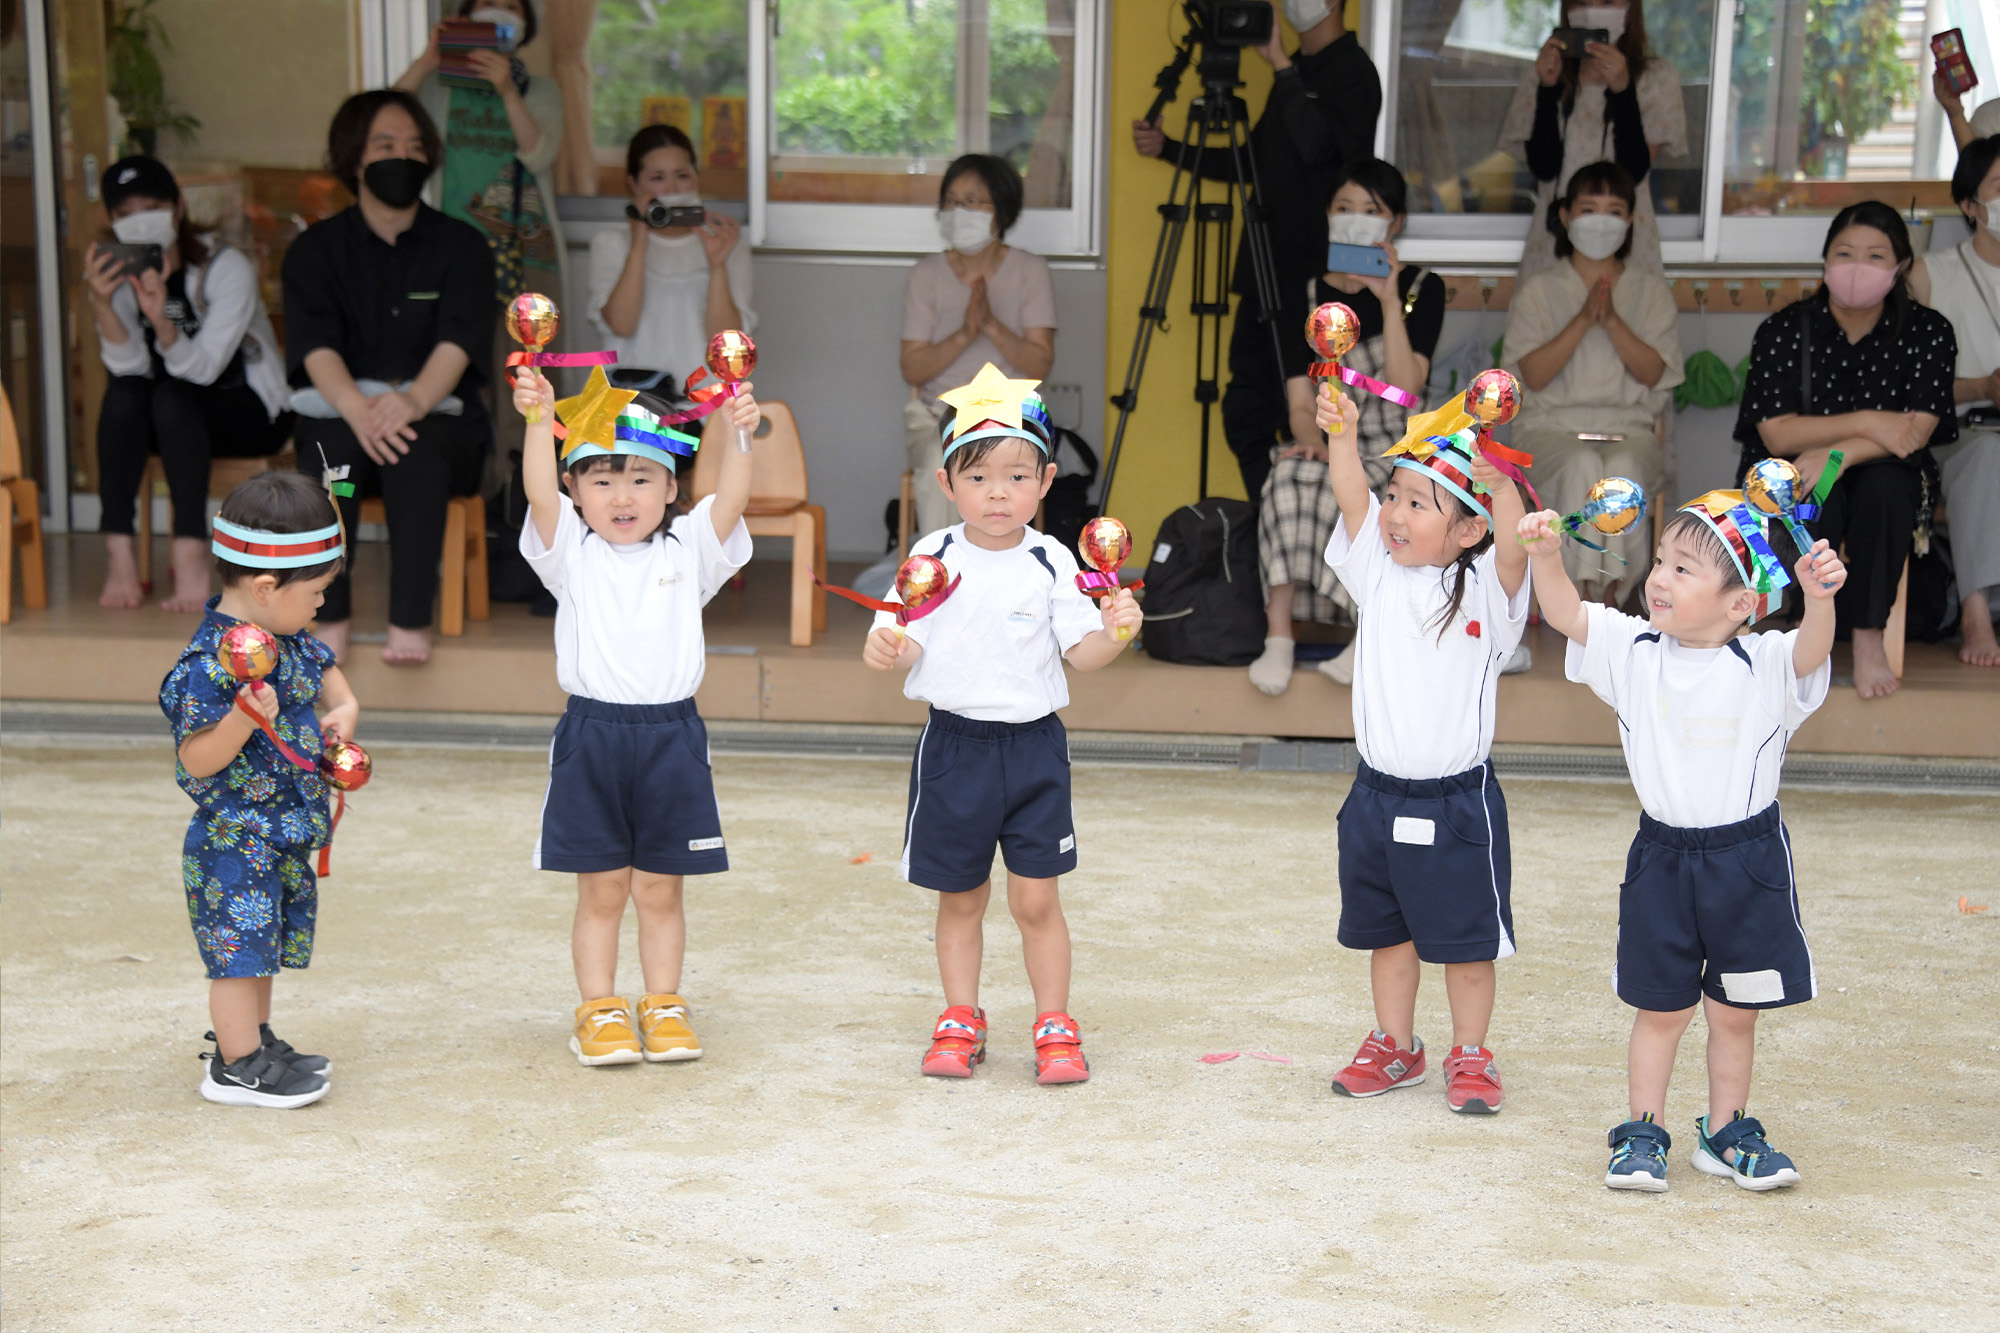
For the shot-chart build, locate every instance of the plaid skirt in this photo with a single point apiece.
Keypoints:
(1294, 524)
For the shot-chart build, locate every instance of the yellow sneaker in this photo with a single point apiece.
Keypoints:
(664, 1031)
(603, 1033)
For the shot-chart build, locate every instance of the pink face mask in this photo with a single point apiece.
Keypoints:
(1858, 286)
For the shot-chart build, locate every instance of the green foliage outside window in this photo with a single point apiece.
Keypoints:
(651, 48)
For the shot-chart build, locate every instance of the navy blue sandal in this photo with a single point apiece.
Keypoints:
(1758, 1166)
(1639, 1157)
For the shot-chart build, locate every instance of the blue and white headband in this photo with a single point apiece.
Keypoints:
(255, 549)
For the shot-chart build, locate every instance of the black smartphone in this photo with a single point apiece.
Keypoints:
(1573, 41)
(135, 259)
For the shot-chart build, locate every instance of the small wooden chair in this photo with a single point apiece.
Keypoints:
(778, 506)
(20, 523)
(462, 586)
(224, 476)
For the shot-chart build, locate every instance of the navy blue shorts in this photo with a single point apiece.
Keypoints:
(629, 785)
(980, 786)
(1426, 861)
(1712, 911)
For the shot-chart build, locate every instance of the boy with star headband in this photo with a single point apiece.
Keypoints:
(1709, 912)
(631, 806)
(991, 771)
(246, 863)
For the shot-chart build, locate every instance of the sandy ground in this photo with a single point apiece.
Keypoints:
(466, 1173)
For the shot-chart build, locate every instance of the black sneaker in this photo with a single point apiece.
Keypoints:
(259, 1079)
(282, 1049)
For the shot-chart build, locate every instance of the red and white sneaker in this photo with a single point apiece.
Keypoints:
(1059, 1050)
(1471, 1083)
(1379, 1066)
(957, 1043)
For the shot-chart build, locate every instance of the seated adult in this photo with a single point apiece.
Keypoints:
(658, 294)
(1596, 343)
(1861, 367)
(979, 300)
(1401, 314)
(388, 318)
(196, 374)
(1963, 285)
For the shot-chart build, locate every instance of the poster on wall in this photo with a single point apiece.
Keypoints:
(668, 110)
(723, 141)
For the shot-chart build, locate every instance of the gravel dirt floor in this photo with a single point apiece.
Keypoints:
(465, 1173)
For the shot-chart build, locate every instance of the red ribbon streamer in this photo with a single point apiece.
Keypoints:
(562, 358)
(326, 852)
(905, 613)
(1400, 397)
(1509, 462)
(264, 726)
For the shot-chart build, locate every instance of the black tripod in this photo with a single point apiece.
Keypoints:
(1217, 112)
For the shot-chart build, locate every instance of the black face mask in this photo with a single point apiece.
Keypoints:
(396, 181)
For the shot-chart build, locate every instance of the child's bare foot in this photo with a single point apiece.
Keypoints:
(333, 633)
(1872, 677)
(407, 647)
(190, 559)
(121, 574)
(1977, 645)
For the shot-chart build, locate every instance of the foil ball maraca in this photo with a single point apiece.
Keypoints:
(1493, 397)
(1332, 330)
(248, 652)
(919, 579)
(532, 320)
(1613, 505)
(731, 356)
(345, 766)
(1105, 544)
(1773, 486)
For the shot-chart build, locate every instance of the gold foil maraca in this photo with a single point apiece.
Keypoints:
(1613, 505)
(1332, 330)
(532, 321)
(1773, 486)
(731, 356)
(920, 580)
(1493, 397)
(1104, 545)
(345, 766)
(248, 652)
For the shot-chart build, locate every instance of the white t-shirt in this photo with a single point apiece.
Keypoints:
(673, 314)
(1704, 729)
(993, 650)
(628, 618)
(1424, 701)
(1021, 295)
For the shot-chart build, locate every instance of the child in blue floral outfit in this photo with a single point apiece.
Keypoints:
(251, 891)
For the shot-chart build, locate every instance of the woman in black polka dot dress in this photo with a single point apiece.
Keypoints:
(1860, 367)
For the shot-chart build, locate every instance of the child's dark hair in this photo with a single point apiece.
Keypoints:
(1457, 511)
(1687, 523)
(278, 502)
(966, 455)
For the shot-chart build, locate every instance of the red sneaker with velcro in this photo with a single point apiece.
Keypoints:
(1059, 1050)
(1379, 1067)
(1471, 1083)
(957, 1043)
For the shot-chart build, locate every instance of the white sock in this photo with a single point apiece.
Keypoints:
(1272, 673)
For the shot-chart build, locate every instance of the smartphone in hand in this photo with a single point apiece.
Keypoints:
(1575, 41)
(135, 259)
(1364, 259)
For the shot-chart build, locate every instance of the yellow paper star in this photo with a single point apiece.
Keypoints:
(592, 416)
(1447, 420)
(1717, 503)
(990, 397)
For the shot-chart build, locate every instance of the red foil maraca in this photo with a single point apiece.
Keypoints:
(731, 357)
(249, 653)
(1332, 330)
(1493, 397)
(345, 766)
(922, 584)
(1105, 545)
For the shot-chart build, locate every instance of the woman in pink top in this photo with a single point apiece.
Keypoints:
(980, 300)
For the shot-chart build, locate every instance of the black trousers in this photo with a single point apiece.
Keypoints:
(444, 461)
(1873, 508)
(1254, 413)
(187, 425)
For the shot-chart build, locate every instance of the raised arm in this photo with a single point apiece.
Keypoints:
(732, 487)
(1343, 457)
(1820, 576)
(1562, 608)
(1510, 558)
(536, 398)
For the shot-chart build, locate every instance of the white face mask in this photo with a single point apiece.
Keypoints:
(1597, 235)
(1356, 229)
(1993, 216)
(505, 17)
(1303, 14)
(680, 199)
(965, 230)
(155, 226)
(1611, 18)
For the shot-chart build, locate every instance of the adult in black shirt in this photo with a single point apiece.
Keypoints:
(1319, 118)
(384, 305)
(1878, 388)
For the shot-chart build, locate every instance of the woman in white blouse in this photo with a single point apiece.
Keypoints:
(1596, 343)
(1619, 102)
(658, 294)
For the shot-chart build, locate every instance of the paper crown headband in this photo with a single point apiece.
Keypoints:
(604, 420)
(256, 549)
(995, 407)
(1439, 445)
(1743, 534)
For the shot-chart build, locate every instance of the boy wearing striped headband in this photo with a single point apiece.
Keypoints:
(246, 863)
(991, 772)
(1709, 911)
(631, 801)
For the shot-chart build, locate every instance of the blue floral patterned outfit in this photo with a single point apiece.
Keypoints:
(246, 864)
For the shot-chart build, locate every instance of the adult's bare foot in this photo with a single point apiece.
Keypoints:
(407, 647)
(1977, 646)
(333, 633)
(190, 560)
(121, 574)
(1872, 677)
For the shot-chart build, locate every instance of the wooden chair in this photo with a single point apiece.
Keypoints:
(778, 506)
(224, 476)
(20, 523)
(462, 586)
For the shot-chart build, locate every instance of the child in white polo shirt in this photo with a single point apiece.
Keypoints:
(1708, 912)
(631, 802)
(992, 768)
(1425, 875)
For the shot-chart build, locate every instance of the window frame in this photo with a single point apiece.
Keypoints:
(1492, 239)
(1065, 233)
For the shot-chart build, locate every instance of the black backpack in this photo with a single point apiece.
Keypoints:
(1067, 506)
(1204, 599)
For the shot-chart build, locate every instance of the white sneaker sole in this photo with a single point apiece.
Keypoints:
(226, 1094)
(1704, 1160)
(1637, 1181)
(613, 1058)
(678, 1053)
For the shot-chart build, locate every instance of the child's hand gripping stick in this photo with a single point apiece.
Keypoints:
(1105, 545)
(731, 358)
